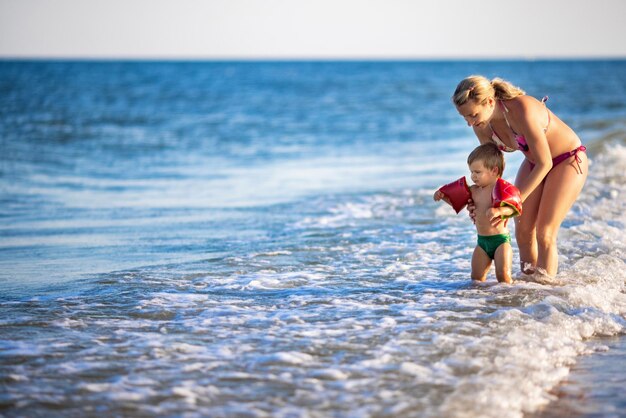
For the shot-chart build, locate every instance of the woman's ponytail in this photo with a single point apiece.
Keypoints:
(479, 89)
(505, 90)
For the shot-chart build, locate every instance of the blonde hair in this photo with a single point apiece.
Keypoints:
(490, 155)
(479, 89)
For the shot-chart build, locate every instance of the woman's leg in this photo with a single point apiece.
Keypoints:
(560, 190)
(525, 231)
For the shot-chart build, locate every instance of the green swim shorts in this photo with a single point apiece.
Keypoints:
(490, 243)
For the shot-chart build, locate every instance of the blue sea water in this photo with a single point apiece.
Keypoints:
(259, 239)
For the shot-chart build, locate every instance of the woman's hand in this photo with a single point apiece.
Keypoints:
(494, 216)
(471, 208)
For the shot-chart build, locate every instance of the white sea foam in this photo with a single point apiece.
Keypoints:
(293, 358)
(381, 321)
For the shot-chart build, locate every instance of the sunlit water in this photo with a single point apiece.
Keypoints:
(259, 239)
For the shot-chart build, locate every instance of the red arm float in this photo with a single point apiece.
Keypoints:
(506, 194)
(458, 193)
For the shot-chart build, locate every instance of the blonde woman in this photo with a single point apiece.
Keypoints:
(551, 176)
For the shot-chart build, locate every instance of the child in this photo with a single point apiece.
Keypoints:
(486, 163)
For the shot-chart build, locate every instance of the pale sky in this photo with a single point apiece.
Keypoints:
(300, 29)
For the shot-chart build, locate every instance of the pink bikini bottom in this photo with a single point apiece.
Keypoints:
(560, 158)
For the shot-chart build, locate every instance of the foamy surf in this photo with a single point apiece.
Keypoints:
(384, 326)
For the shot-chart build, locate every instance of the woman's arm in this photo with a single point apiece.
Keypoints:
(483, 135)
(527, 116)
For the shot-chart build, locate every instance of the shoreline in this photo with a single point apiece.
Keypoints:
(594, 386)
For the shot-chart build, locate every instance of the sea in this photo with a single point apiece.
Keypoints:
(259, 239)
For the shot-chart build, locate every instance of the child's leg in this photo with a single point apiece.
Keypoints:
(503, 259)
(480, 264)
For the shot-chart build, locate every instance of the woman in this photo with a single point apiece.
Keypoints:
(553, 173)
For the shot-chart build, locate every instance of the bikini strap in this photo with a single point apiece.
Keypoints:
(582, 148)
(573, 153)
(544, 100)
(506, 110)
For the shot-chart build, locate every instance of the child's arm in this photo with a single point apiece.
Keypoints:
(506, 194)
(456, 194)
(439, 196)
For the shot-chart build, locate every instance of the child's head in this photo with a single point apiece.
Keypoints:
(489, 157)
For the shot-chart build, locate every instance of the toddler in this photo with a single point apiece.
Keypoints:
(496, 200)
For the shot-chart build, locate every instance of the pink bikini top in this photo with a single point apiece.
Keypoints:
(521, 141)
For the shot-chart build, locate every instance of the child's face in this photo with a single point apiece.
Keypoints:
(481, 175)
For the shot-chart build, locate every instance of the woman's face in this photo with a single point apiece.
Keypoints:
(476, 114)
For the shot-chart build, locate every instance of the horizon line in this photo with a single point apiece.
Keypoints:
(313, 58)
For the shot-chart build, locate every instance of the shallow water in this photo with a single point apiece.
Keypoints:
(594, 387)
(259, 239)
